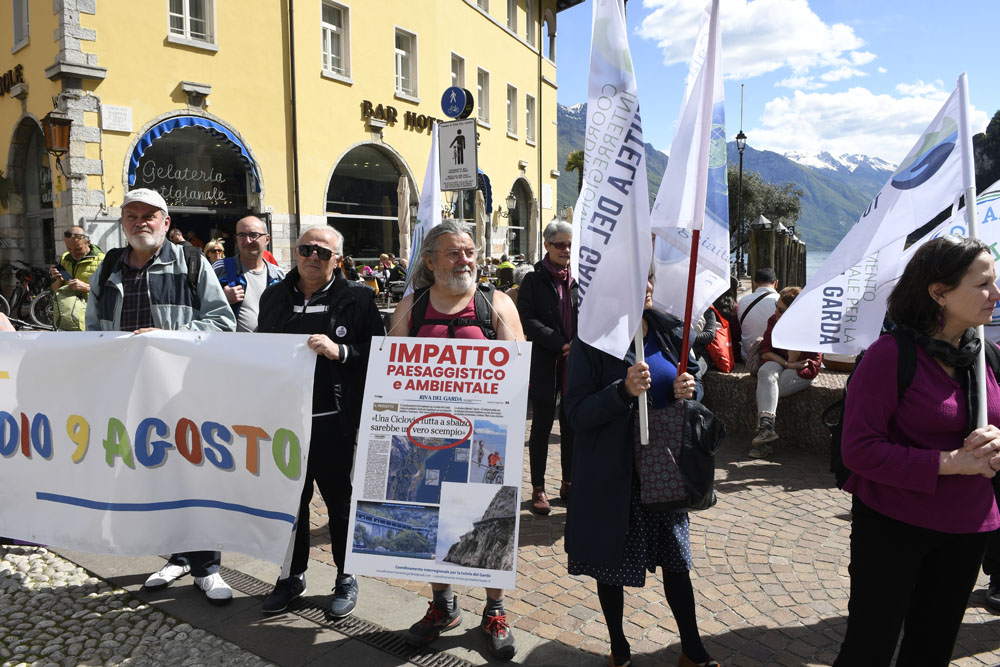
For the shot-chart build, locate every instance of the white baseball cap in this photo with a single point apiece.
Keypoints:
(146, 196)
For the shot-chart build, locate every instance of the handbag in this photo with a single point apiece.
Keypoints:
(753, 357)
(720, 349)
(676, 470)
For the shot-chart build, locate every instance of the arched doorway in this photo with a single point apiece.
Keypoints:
(362, 201)
(519, 240)
(203, 170)
(31, 196)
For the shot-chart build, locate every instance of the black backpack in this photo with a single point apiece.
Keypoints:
(483, 320)
(906, 368)
(192, 258)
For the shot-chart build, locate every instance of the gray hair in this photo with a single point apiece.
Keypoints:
(338, 246)
(555, 228)
(420, 274)
(521, 271)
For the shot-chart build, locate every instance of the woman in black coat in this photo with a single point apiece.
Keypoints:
(609, 534)
(547, 302)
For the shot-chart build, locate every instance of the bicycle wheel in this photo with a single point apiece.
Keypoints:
(41, 310)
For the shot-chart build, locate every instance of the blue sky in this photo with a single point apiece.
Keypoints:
(844, 76)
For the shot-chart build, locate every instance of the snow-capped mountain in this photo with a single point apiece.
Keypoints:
(844, 163)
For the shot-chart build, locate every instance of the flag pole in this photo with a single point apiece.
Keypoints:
(688, 301)
(640, 356)
(969, 181)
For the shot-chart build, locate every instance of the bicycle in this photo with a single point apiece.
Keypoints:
(31, 293)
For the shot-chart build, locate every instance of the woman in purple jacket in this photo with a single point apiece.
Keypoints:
(923, 498)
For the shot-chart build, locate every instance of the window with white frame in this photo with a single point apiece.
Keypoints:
(529, 118)
(529, 22)
(511, 110)
(192, 19)
(457, 71)
(484, 5)
(21, 31)
(483, 95)
(335, 29)
(406, 63)
(512, 15)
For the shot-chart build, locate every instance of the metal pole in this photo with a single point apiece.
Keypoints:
(739, 222)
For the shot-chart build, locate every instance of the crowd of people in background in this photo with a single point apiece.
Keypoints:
(923, 505)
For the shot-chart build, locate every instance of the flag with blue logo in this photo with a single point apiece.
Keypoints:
(694, 193)
(611, 216)
(838, 307)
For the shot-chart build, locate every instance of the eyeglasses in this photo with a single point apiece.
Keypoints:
(218, 250)
(322, 253)
(454, 254)
(73, 235)
(253, 236)
(562, 245)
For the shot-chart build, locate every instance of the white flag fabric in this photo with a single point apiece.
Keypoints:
(611, 219)
(681, 199)
(429, 208)
(824, 317)
(695, 180)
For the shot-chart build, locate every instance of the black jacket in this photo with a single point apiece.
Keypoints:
(354, 319)
(538, 306)
(602, 452)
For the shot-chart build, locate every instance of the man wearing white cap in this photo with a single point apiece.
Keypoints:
(148, 285)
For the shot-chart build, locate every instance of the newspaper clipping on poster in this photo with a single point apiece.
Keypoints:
(437, 477)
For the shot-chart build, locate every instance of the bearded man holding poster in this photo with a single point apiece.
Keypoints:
(448, 304)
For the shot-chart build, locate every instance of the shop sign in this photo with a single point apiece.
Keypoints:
(11, 78)
(183, 186)
(389, 115)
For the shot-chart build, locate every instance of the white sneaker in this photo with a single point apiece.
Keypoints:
(167, 575)
(216, 590)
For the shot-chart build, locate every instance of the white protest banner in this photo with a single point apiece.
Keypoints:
(611, 216)
(429, 208)
(152, 444)
(927, 181)
(437, 475)
(694, 193)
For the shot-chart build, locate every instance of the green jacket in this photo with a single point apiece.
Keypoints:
(69, 307)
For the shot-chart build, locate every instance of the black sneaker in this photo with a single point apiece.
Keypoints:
(993, 595)
(498, 635)
(434, 622)
(285, 591)
(345, 596)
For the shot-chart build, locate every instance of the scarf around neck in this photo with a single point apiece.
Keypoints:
(562, 279)
(962, 358)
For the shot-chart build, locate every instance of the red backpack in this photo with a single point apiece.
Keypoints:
(721, 347)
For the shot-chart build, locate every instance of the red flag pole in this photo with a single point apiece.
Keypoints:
(692, 271)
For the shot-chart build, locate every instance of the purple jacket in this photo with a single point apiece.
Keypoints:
(893, 445)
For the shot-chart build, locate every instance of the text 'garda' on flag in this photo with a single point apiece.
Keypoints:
(611, 216)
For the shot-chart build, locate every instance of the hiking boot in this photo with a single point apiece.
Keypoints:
(168, 574)
(760, 450)
(216, 589)
(434, 622)
(765, 431)
(993, 595)
(564, 491)
(345, 596)
(539, 501)
(285, 591)
(498, 635)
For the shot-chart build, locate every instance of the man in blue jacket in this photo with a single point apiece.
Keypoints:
(245, 276)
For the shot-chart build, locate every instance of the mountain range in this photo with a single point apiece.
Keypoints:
(836, 190)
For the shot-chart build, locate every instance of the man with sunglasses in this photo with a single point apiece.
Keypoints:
(340, 317)
(71, 280)
(245, 276)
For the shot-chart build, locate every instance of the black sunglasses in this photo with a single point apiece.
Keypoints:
(321, 252)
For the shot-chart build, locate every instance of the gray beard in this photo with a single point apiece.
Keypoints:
(458, 284)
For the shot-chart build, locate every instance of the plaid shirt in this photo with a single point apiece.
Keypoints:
(136, 313)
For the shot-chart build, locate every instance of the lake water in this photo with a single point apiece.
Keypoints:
(814, 260)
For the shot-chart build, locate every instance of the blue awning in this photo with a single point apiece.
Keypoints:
(483, 183)
(205, 124)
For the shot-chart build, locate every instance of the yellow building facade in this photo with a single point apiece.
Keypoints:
(302, 112)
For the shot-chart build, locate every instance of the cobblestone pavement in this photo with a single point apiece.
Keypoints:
(770, 572)
(53, 613)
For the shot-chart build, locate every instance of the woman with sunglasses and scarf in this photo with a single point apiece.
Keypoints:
(782, 373)
(923, 499)
(548, 304)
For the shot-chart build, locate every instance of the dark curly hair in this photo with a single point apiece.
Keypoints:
(944, 260)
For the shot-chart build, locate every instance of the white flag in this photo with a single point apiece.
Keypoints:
(429, 208)
(611, 216)
(823, 318)
(694, 193)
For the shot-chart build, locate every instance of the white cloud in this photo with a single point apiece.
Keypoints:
(759, 36)
(800, 83)
(882, 70)
(853, 121)
(841, 73)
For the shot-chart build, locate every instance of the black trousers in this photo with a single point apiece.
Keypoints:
(906, 578)
(203, 563)
(331, 459)
(542, 416)
(991, 562)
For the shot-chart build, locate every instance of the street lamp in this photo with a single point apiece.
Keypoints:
(511, 202)
(741, 143)
(55, 127)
